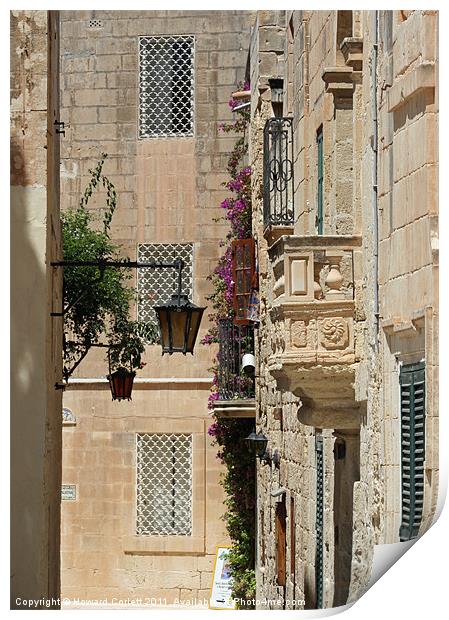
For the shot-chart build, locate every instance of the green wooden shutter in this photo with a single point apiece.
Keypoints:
(320, 177)
(319, 520)
(413, 387)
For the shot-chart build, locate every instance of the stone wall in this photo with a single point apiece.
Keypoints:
(408, 233)
(330, 58)
(36, 338)
(169, 190)
(278, 407)
(102, 556)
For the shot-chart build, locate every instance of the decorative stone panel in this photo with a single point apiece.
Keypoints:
(298, 331)
(334, 333)
(315, 333)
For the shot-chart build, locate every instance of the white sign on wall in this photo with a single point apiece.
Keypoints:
(68, 492)
(221, 591)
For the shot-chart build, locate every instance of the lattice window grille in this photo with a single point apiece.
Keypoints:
(166, 86)
(95, 23)
(156, 286)
(164, 484)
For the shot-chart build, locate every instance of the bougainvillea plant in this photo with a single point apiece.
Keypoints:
(238, 480)
(237, 211)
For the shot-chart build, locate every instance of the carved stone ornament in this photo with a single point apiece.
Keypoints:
(278, 337)
(298, 334)
(334, 333)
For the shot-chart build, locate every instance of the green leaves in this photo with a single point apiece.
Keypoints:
(239, 484)
(98, 301)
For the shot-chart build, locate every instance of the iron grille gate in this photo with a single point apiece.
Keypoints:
(412, 385)
(164, 484)
(234, 342)
(278, 172)
(319, 520)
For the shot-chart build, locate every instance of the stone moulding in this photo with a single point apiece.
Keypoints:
(272, 233)
(408, 326)
(352, 49)
(239, 408)
(420, 78)
(341, 81)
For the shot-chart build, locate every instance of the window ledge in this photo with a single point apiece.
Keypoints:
(141, 545)
(237, 408)
(418, 79)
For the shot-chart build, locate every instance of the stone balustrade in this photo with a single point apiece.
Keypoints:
(312, 302)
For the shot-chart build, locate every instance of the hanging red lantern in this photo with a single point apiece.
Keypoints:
(121, 384)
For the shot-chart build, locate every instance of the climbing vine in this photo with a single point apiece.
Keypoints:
(97, 300)
(238, 480)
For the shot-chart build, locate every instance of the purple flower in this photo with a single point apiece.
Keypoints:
(212, 430)
(213, 396)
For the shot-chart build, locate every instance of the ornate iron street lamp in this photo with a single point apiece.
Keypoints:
(179, 320)
(257, 443)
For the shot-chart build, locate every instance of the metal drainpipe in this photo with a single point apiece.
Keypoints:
(374, 192)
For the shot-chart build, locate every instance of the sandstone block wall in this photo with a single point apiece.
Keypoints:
(169, 190)
(408, 251)
(321, 89)
(36, 338)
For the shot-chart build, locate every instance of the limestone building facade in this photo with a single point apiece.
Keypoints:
(149, 89)
(344, 162)
(343, 150)
(36, 337)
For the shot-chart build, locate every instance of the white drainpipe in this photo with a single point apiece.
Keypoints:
(374, 176)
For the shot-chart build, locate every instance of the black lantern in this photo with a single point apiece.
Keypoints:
(121, 384)
(257, 443)
(179, 322)
(277, 89)
(277, 95)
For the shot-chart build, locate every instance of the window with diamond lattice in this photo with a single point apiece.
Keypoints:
(156, 286)
(164, 484)
(166, 86)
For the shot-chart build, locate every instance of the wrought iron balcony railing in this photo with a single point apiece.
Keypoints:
(235, 342)
(278, 172)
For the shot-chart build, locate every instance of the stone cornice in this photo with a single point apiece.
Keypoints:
(340, 81)
(316, 308)
(316, 242)
(418, 79)
(352, 49)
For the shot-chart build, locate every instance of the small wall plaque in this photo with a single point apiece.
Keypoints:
(68, 492)
(68, 417)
